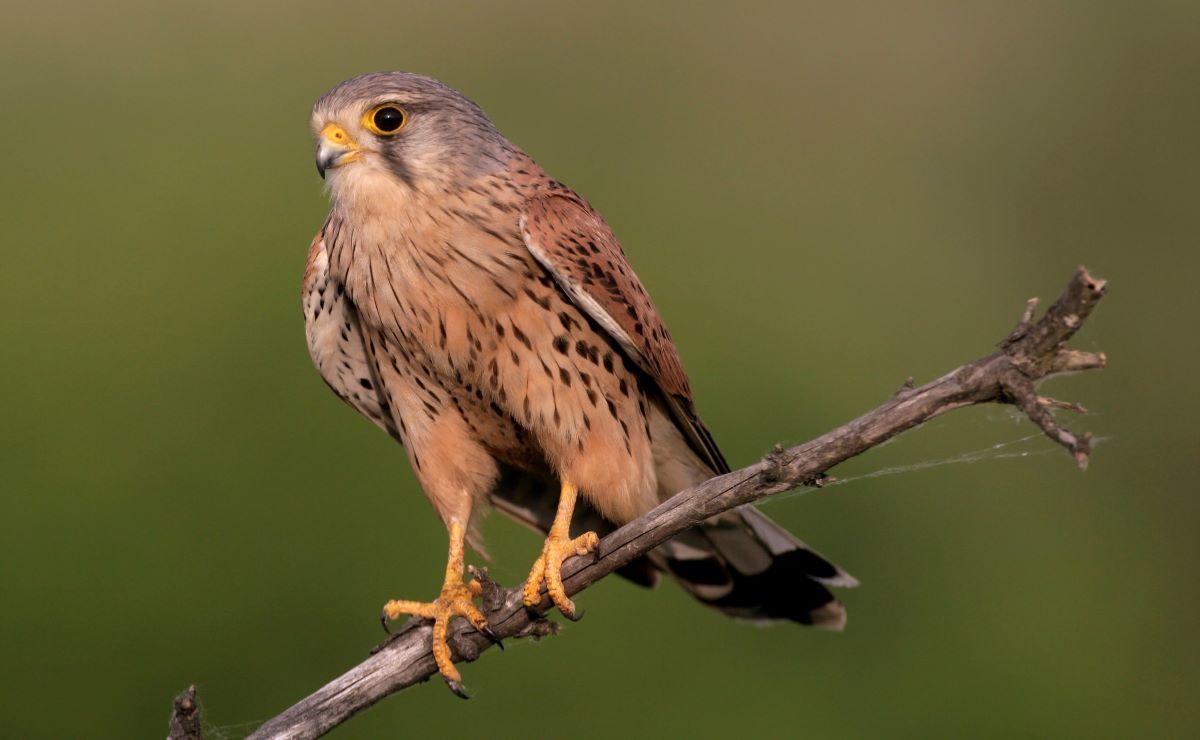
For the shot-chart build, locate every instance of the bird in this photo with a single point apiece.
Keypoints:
(486, 317)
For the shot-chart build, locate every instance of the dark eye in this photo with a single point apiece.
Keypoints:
(385, 120)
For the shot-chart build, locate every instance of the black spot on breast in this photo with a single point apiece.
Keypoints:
(365, 383)
(564, 376)
(561, 343)
(520, 335)
(543, 301)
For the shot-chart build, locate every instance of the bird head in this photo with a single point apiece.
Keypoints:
(404, 130)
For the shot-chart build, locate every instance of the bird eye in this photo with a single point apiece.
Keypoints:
(385, 120)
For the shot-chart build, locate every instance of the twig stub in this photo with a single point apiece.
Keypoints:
(185, 716)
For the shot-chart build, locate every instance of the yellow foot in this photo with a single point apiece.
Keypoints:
(456, 600)
(548, 568)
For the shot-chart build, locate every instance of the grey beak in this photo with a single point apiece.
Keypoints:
(325, 158)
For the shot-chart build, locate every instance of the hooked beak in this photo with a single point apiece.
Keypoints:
(335, 148)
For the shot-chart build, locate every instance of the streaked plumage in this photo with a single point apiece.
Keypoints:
(485, 316)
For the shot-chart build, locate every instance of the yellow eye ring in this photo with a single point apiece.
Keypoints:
(388, 119)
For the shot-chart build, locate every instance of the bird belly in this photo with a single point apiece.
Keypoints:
(536, 381)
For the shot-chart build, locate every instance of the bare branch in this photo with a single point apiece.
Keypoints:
(1031, 353)
(1054, 403)
(1024, 325)
(185, 716)
(1071, 360)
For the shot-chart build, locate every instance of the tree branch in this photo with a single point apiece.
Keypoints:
(185, 716)
(1031, 353)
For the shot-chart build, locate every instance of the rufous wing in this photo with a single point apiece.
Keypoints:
(572, 242)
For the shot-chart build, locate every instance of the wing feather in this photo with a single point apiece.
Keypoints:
(571, 241)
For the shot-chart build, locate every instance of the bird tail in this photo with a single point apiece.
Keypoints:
(740, 562)
(747, 566)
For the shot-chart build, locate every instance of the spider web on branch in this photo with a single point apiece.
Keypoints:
(1031, 445)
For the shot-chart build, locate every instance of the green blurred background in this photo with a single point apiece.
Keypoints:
(824, 200)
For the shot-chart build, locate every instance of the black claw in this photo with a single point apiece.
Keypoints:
(384, 620)
(574, 617)
(533, 610)
(457, 688)
(487, 632)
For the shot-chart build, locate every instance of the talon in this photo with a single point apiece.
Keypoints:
(383, 619)
(457, 688)
(576, 616)
(487, 632)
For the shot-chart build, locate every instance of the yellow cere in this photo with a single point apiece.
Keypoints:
(337, 136)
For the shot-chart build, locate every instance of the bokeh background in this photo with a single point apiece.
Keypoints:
(824, 199)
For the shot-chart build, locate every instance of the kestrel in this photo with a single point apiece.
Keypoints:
(484, 315)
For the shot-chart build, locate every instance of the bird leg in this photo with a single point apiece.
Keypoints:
(456, 600)
(558, 547)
